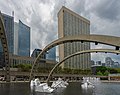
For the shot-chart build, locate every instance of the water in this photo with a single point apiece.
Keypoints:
(72, 89)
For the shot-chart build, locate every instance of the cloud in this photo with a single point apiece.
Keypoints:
(106, 9)
(41, 16)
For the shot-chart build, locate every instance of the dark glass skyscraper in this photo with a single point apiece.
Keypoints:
(9, 28)
(23, 40)
(2, 59)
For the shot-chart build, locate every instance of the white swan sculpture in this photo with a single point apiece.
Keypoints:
(87, 84)
(59, 84)
(40, 87)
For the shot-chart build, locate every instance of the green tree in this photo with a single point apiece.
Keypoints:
(106, 73)
(99, 73)
(112, 70)
(24, 67)
(101, 69)
(118, 70)
(67, 70)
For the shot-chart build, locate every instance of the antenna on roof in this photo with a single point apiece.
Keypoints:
(13, 13)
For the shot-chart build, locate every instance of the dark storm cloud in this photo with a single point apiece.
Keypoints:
(105, 17)
(108, 9)
(41, 16)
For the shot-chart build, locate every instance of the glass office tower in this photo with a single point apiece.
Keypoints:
(9, 29)
(70, 23)
(23, 39)
(2, 58)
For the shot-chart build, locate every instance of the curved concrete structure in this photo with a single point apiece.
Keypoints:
(103, 39)
(81, 52)
(5, 47)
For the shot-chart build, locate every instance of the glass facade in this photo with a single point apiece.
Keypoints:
(36, 52)
(51, 55)
(1, 48)
(23, 40)
(73, 24)
(15, 60)
(2, 59)
(9, 29)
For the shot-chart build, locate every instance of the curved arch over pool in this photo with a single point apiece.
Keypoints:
(103, 39)
(81, 52)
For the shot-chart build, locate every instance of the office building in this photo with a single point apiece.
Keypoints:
(98, 63)
(51, 54)
(116, 65)
(108, 62)
(36, 52)
(16, 60)
(103, 64)
(92, 62)
(9, 29)
(70, 23)
(22, 39)
(2, 59)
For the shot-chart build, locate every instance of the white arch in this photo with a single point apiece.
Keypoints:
(81, 52)
(104, 39)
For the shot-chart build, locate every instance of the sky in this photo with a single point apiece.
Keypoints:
(41, 16)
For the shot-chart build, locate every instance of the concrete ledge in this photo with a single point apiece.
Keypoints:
(111, 81)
